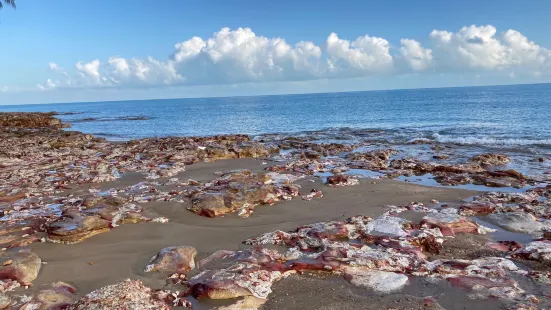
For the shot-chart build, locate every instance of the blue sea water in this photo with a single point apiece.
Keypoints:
(511, 116)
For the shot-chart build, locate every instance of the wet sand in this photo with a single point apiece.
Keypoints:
(125, 251)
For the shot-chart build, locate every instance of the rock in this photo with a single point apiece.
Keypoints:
(378, 281)
(490, 159)
(520, 222)
(24, 266)
(387, 226)
(247, 303)
(504, 246)
(441, 156)
(340, 180)
(171, 260)
(252, 150)
(74, 227)
(451, 224)
(209, 205)
(373, 160)
(485, 288)
(476, 208)
(129, 294)
(507, 173)
(240, 279)
(59, 296)
(314, 193)
(536, 250)
(5, 301)
(29, 120)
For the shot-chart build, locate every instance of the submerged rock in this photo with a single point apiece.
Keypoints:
(21, 266)
(175, 259)
(520, 222)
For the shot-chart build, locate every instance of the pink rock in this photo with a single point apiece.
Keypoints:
(504, 246)
(451, 224)
(476, 208)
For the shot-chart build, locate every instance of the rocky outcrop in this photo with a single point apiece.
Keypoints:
(30, 120)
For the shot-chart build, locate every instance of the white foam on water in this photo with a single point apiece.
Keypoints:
(471, 140)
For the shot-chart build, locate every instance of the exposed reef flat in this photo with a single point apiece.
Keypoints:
(273, 222)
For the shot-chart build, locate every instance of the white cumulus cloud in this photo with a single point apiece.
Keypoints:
(417, 57)
(365, 55)
(241, 56)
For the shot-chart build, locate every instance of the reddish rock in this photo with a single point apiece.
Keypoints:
(209, 205)
(340, 180)
(60, 295)
(507, 173)
(74, 227)
(21, 266)
(450, 224)
(504, 246)
(476, 208)
(175, 259)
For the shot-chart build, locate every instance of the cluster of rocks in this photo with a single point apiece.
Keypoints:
(381, 254)
(482, 169)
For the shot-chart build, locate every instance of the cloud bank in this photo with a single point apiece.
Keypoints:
(241, 56)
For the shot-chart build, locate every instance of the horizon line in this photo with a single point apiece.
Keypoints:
(287, 94)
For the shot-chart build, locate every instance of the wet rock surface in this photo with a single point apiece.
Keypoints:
(171, 260)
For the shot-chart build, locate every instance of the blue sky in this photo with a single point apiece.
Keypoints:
(63, 51)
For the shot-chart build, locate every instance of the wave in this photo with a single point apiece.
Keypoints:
(471, 140)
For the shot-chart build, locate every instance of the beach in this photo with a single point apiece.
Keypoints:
(95, 212)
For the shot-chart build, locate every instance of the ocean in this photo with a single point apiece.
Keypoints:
(517, 116)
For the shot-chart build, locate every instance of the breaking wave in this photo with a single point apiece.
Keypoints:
(470, 140)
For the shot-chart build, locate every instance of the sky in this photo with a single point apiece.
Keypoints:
(103, 50)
